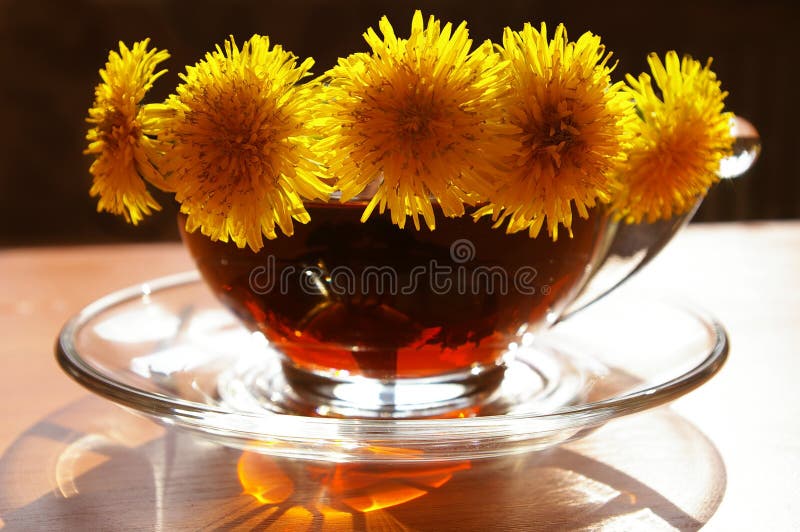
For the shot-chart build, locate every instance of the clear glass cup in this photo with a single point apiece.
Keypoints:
(371, 320)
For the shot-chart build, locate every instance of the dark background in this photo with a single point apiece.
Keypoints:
(50, 53)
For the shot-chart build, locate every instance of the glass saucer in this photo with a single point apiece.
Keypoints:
(169, 350)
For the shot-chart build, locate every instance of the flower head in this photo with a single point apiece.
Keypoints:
(119, 140)
(680, 139)
(419, 114)
(236, 128)
(571, 130)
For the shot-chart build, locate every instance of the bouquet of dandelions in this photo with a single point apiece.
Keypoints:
(527, 132)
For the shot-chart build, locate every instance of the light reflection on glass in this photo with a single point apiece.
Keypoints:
(746, 149)
(148, 323)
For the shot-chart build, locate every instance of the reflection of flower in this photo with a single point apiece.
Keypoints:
(679, 141)
(422, 114)
(238, 158)
(571, 122)
(119, 137)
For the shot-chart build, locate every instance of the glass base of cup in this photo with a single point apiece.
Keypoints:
(343, 396)
(527, 379)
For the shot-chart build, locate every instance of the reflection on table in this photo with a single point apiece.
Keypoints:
(107, 468)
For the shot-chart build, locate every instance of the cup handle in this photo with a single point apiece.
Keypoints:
(629, 247)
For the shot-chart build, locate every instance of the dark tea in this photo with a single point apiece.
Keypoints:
(370, 299)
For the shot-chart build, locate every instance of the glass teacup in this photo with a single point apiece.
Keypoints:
(371, 320)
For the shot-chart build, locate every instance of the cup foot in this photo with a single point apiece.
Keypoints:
(341, 396)
(527, 380)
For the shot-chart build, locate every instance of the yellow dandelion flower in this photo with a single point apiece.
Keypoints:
(124, 152)
(236, 128)
(571, 121)
(679, 140)
(419, 114)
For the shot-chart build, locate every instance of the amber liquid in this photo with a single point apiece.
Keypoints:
(374, 300)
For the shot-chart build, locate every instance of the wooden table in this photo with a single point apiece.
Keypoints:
(727, 455)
